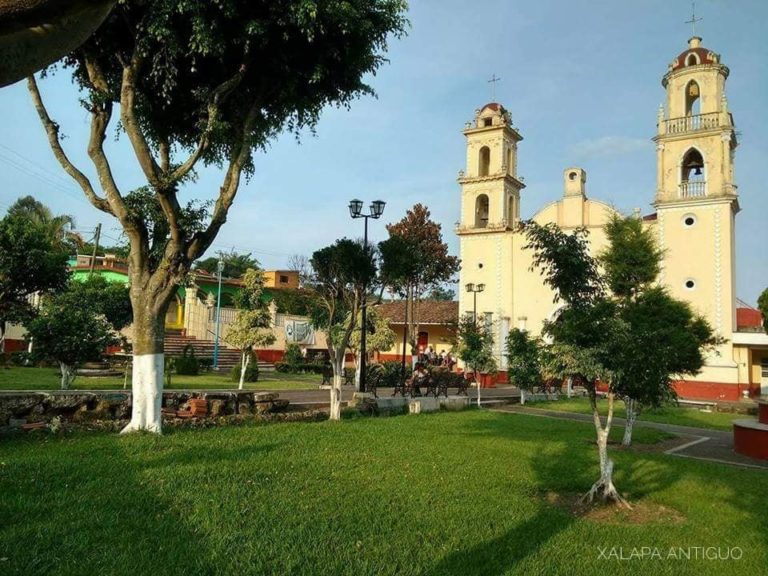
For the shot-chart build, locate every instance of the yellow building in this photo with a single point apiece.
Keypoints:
(696, 204)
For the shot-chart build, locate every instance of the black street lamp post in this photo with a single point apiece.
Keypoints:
(355, 210)
(475, 289)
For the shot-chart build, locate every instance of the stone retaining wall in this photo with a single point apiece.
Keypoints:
(23, 408)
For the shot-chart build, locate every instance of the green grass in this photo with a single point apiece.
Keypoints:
(49, 379)
(444, 494)
(667, 415)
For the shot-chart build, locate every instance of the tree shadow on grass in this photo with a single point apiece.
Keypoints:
(105, 505)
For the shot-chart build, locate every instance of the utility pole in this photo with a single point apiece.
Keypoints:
(95, 247)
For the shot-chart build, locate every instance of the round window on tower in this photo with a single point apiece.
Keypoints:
(689, 220)
(690, 284)
(572, 176)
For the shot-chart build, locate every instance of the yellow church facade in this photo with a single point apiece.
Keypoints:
(696, 203)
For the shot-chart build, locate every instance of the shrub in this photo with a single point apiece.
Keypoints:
(206, 364)
(293, 355)
(388, 374)
(187, 364)
(251, 372)
(305, 368)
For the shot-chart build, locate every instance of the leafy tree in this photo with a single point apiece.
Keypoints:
(429, 264)
(442, 294)
(762, 305)
(30, 263)
(55, 228)
(665, 336)
(632, 341)
(523, 361)
(111, 299)
(379, 336)
(252, 326)
(341, 273)
(299, 302)
(71, 329)
(474, 347)
(235, 265)
(205, 83)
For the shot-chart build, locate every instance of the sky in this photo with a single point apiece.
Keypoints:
(581, 78)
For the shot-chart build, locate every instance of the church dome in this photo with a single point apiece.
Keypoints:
(495, 106)
(695, 54)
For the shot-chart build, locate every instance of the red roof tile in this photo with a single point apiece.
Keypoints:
(429, 312)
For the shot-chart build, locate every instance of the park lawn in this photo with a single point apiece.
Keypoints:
(442, 494)
(668, 414)
(18, 378)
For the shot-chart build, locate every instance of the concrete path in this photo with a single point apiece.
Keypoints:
(705, 443)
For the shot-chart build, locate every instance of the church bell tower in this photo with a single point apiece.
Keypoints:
(696, 196)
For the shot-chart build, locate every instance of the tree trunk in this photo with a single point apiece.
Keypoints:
(67, 375)
(477, 385)
(148, 363)
(632, 412)
(244, 366)
(338, 380)
(603, 489)
(358, 371)
(569, 387)
(522, 397)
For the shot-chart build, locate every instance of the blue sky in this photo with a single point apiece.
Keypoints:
(581, 79)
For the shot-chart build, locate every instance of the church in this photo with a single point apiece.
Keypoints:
(696, 203)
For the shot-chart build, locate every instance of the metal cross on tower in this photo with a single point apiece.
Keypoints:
(693, 19)
(492, 82)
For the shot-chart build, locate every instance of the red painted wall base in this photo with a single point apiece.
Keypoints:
(15, 346)
(750, 441)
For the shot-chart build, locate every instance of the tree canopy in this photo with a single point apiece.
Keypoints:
(235, 264)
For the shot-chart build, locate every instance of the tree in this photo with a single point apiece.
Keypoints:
(631, 342)
(430, 263)
(235, 265)
(762, 305)
(523, 361)
(442, 294)
(474, 347)
(379, 336)
(29, 264)
(252, 326)
(340, 274)
(204, 84)
(55, 228)
(664, 338)
(71, 329)
(111, 299)
(300, 263)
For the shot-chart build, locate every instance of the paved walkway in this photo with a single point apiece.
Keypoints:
(705, 443)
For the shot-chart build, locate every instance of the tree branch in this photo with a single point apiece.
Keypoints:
(52, 130)
(219, 94)
(131, 125)
(202, 240)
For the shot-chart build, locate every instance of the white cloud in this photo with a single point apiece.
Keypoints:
(609, 146)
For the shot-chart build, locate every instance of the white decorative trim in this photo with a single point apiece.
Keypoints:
(718, 275)
(662, 247)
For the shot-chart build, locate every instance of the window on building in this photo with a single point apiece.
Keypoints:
(488, 321)
(484, 161)
(487, 122)
(481, 211)
(692, 99)
(283, 279)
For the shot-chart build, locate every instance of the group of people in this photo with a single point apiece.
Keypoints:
(429, 357)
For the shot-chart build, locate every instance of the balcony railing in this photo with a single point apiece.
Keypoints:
(696, 189)
(692, 123)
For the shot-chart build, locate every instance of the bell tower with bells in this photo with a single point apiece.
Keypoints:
(696, 196)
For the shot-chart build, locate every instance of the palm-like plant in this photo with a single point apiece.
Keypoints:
(56, 228)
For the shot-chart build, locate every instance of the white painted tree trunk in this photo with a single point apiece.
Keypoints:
(522, 396)
(358, 371)
(632, 412)
(67, 375)
(569, 387)
(245, 359)
(477, 385)
(604, 488)
(338, 380)
(147, 392)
